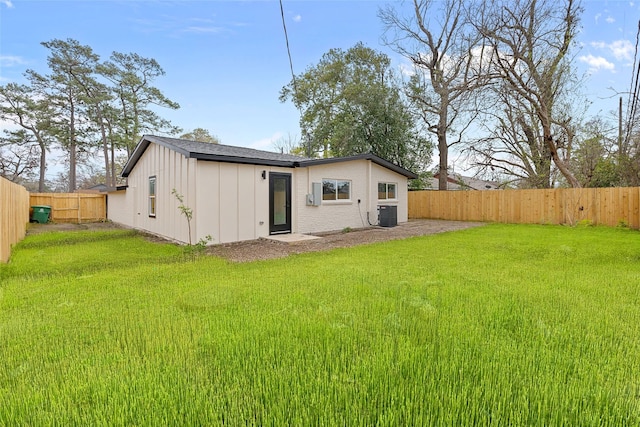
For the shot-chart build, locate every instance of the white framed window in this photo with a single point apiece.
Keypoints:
(152, 196)
(387, 190)
(335, 189)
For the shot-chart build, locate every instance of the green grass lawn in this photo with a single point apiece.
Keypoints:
(497, 325)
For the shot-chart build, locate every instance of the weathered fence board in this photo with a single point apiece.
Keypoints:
(14, 216)
(606, 206)
(73, 207)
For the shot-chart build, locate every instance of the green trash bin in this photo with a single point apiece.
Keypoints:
(41, 214)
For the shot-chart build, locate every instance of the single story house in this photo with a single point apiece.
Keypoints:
(238, 193)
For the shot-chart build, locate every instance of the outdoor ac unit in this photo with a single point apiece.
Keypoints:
(387, 215)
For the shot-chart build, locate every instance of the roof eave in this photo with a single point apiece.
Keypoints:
(367, 156)
(142, 146)
(241, 160)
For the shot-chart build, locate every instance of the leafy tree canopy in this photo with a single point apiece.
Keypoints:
(351, 103)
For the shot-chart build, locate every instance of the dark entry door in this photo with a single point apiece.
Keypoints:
(279, 203)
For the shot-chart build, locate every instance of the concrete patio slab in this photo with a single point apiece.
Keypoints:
(292, 238)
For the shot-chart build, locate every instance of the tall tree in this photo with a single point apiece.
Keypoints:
(68, 62)
(352, 104)
(449, 65)
(23, 106)
(74, 108)
(132, 77)
(512, 144)
(94, 95)
(511, 147)
(532, 40)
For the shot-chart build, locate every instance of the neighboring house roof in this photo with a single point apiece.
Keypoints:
(232, 154)
(459, 182)
(97, 188)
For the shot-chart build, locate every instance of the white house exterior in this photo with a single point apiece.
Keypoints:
(240, 194)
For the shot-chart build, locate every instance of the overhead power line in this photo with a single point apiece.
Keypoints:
(286, 38)
(634, 91)
(293, 80)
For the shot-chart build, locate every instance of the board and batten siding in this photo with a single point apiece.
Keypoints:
(172, 171)
(232, 202)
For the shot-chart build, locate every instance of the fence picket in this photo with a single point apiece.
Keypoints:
(14, 216)
(604, 206)
(73, 207)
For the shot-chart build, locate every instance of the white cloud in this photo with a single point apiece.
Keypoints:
(597, 63)
(597, 17)
(201, 30)
(622, 49)
(610, 20)
(7, 3)
(297, 18)
(11, 61)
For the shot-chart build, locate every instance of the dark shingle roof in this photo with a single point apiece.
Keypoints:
(232, 154)
(209, 151)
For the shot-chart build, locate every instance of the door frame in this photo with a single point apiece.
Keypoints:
(286, 227)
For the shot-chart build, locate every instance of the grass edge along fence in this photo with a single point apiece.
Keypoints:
(73, 207)
(598, 206)
(14, 216)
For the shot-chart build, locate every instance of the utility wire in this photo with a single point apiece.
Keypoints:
(293, 80)
(634, 92)
(286, 38)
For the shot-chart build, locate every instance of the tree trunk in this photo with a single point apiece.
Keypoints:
(105, 151)
(443, 147)
(72, 151)
(113, 165)
(43, 167)
(543, 115)
(562, 166)
(443, 170)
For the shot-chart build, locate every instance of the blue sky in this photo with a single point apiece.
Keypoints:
(226, 61)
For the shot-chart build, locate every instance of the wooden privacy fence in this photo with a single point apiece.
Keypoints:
(605, 206)
(73, 207)
(14, 216)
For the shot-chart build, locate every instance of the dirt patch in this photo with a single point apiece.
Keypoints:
(262, 249)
